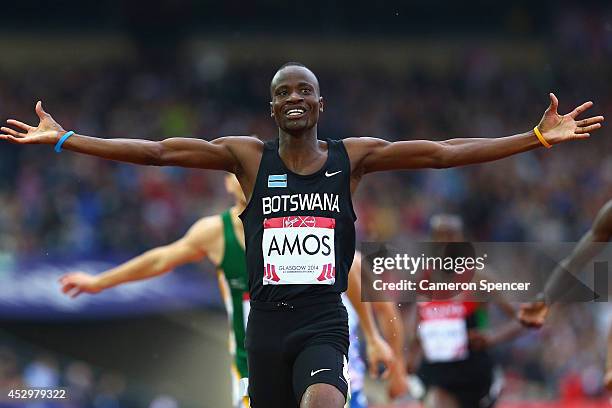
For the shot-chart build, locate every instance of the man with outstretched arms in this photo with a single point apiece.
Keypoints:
(299, 221)
(560, 282)
(221, 240)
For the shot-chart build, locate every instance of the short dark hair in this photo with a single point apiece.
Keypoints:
(292, 64)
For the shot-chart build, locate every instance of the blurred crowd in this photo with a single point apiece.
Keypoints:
(537, 365)
(74, 205)
(71, 203)
(79, 384)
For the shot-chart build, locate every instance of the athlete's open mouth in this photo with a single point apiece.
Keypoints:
(295, 113)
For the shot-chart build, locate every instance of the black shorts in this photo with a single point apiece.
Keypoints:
(293, 345)
(477, 397)
(470, 381)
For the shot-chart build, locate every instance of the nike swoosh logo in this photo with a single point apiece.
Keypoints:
(312, 373)
(327, 174)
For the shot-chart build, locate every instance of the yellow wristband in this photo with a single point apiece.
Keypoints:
(541, 138)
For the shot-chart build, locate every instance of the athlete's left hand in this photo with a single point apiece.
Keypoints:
(557, 128)
(379, 352)
(533, 314)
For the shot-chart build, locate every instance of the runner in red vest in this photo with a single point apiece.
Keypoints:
(453, 338)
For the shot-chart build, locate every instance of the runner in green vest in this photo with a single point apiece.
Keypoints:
(221, 240)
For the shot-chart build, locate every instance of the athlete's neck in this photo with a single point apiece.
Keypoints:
(298, 137)
(300, 152)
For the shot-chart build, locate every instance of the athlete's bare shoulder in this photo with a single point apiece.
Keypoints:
(358, 148)
(243, 142)
(243, 148)
(210, 225)
(206, 235)
(247, 152)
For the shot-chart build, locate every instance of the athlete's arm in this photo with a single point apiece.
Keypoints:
(564, 276)
(226, 153)
(588, 246)
(392, 328)
(499, 334)
(480, 340)
(414, 353)
(191, 248)
(377, 348)
(506, 332)
(371, 154)
(608, 376)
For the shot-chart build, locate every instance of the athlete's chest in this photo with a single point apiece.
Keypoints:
(305, 166)
(301, 215)
(443, 330)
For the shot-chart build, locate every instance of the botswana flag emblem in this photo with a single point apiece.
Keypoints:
(277, 181)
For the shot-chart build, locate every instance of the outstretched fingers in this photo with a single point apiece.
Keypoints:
(12, 132)
(587, 129)
(11, 138)
(67, 287)
(573, 114)
(586, 126)
(76, 292)
(20, 125)
(590, 121)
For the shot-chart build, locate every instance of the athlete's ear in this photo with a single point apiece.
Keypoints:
(271, 110)
(321, 104)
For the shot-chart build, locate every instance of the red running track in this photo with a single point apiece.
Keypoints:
(528, 404)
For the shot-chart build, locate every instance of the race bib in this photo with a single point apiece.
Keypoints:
(299, 250)
(443, 332)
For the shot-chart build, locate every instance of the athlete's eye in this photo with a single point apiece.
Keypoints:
(306, 91)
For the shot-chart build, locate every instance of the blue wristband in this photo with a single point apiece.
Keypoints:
(58, 146)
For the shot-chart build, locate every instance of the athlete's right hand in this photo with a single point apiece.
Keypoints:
(397, 386)
(533, 314)
(379, 353)
(73, 284)
(48, 130)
